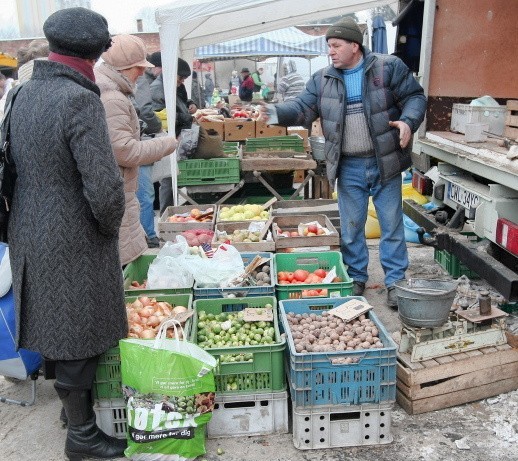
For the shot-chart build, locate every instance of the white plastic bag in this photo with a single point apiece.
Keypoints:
(210, 272)
(167, 270)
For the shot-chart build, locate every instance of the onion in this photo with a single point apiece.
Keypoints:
(137, 329)
(134, 318)
(179, 309)
(137, 304)
(145, 300)
(147, 334)
(153, 321)
(146, 311)
(165, 307)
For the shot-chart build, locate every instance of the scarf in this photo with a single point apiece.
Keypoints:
(78, 64)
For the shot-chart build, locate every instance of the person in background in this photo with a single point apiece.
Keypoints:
(235, 82)
(209, 89)
(151, 127)
(246, 89)
(184, 110)
(3, 80)
(256, 77)
(292, 84)
(196, 91)
(369, 105)
(37, 49)
(123, 64)
(64, 224)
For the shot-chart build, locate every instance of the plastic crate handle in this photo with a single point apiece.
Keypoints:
(307, 261)
(352, 363)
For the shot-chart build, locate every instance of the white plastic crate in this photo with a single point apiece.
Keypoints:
(252, 414)
(341, 426)
(111, 417)
(463, 114)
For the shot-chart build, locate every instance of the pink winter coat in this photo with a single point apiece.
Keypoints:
(130, 152)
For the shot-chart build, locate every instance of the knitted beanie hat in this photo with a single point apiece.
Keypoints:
(346, 29)
(183, 68)
(77, 32)
(155, 59)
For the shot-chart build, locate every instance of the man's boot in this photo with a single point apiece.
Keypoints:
(84, 438)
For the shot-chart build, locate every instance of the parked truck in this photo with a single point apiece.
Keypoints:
(463, 50)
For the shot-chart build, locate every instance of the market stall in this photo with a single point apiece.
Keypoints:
(195, 23)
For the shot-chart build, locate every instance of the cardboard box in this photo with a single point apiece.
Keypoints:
(301, 131)
(239, 130)
(263, 130)
(233, 99)
(218, 127)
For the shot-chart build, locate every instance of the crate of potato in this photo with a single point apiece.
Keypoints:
(177, 219)
(332, 361)
(144, 316)
(135, 279)
(250, 353)
(260, 282)
(308, 275)
(249, 237)
(299, 231)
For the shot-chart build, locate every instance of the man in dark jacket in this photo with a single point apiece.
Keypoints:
(66, 213)
(246, 89)
(153, 125)
(369, 105)
(185, 107)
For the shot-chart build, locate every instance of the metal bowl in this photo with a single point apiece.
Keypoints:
(425, 303)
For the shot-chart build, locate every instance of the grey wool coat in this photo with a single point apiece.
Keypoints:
(64, 225)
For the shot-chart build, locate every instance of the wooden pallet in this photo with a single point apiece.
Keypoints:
(455, 379)
(511, 120)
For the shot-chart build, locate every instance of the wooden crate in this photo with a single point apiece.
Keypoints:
(321, 187)
(169, 230)
(291, 222)
(455, 379)
(263, 130)
(218, 127)
(511, 120)
(229, 227)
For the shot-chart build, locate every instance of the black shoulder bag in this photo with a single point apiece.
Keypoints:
(7, 166)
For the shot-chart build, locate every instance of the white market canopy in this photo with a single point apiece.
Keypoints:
(284, 42)
(185, 25)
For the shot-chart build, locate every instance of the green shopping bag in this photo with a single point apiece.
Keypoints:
(169, 389)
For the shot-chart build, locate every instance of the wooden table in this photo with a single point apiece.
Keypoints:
(279, 165)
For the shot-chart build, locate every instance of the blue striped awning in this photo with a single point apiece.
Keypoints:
(284, 42)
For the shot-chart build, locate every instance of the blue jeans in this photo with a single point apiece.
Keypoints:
(358, 178)
(146, 197)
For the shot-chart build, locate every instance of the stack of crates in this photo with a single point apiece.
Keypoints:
(339, 404)
(250, 379)
(109, 404)
(203, 172)
(293, 143)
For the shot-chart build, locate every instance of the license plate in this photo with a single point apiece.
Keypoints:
(462, 196)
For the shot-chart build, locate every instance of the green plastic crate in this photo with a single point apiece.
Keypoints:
(292, 143)
(231, 148)
(107, 382)
(452, 265)
(200, 172)
(290, 262)
(265, 372)
(137, 271)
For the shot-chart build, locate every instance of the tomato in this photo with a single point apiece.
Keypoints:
(283, 282)
(281, 276)
(320, 272)
(300, 275)
(305, 293)
(289, 276)
(323, 292)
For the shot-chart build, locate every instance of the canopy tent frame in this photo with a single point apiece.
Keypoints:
(185, 25)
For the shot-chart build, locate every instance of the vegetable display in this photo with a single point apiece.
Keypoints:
(229, 329)
(328, 333)
(146, 314)
(195, 215)
(301, 276)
